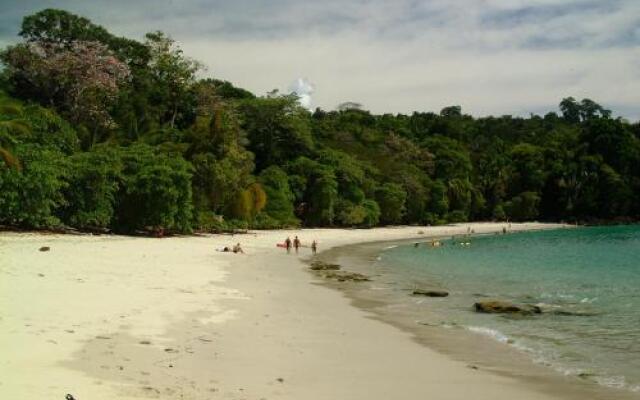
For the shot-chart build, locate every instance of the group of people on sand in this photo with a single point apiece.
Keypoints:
(235, 249)
(296, 244)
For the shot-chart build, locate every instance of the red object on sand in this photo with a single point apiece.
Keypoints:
(281, 245)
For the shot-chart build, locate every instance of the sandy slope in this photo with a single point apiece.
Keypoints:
(111, 317)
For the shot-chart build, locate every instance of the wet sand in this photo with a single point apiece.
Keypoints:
(425, 324)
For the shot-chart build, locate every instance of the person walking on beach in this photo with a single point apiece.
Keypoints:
(287, 244)
(296, 244)
(314, 247)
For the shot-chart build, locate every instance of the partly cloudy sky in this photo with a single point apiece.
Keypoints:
(489, 56)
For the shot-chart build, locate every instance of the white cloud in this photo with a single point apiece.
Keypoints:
(420, 77)
(303, 89)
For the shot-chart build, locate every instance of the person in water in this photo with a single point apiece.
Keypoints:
(314, 247)
(296, 243)
(287, 244)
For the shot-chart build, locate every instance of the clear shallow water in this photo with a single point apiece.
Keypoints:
(591, 272)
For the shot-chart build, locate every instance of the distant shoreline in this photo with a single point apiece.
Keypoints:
(150, 234)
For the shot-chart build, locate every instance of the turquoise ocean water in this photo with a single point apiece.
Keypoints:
(587, 279)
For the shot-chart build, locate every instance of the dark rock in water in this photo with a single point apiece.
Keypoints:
(586, 375)
(342, 276)
(323, 266)
(572, 313)
(45, 248)
(503, 307)
(430, 293)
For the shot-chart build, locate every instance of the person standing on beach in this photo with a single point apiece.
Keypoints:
(287, 244)
(296, 244)
(314, 247)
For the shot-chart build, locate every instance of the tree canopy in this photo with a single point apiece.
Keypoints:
(103, 132)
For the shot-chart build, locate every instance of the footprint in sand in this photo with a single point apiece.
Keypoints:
(150, 389)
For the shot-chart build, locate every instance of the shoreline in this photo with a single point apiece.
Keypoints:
(476, 349)
(112, 317)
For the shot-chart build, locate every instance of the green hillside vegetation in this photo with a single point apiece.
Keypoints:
(99, 132)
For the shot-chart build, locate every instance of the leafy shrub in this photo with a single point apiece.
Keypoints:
(155, 191)
(30, 197)
(372, 216)
(49, 129)
(94, 180)
(523, 207)
(457, 216)
(279, 195)
(391, 198)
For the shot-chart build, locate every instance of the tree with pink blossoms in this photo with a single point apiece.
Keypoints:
(81, 79)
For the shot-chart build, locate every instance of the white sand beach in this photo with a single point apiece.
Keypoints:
(114, 317)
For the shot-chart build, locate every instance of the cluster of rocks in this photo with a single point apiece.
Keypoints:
(323, 266)
(430, 293)
(333, 272)
(504, 307)
(344, 276)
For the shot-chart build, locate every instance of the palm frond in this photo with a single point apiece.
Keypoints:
(10, 109)
(9, 159)
(16, 127)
